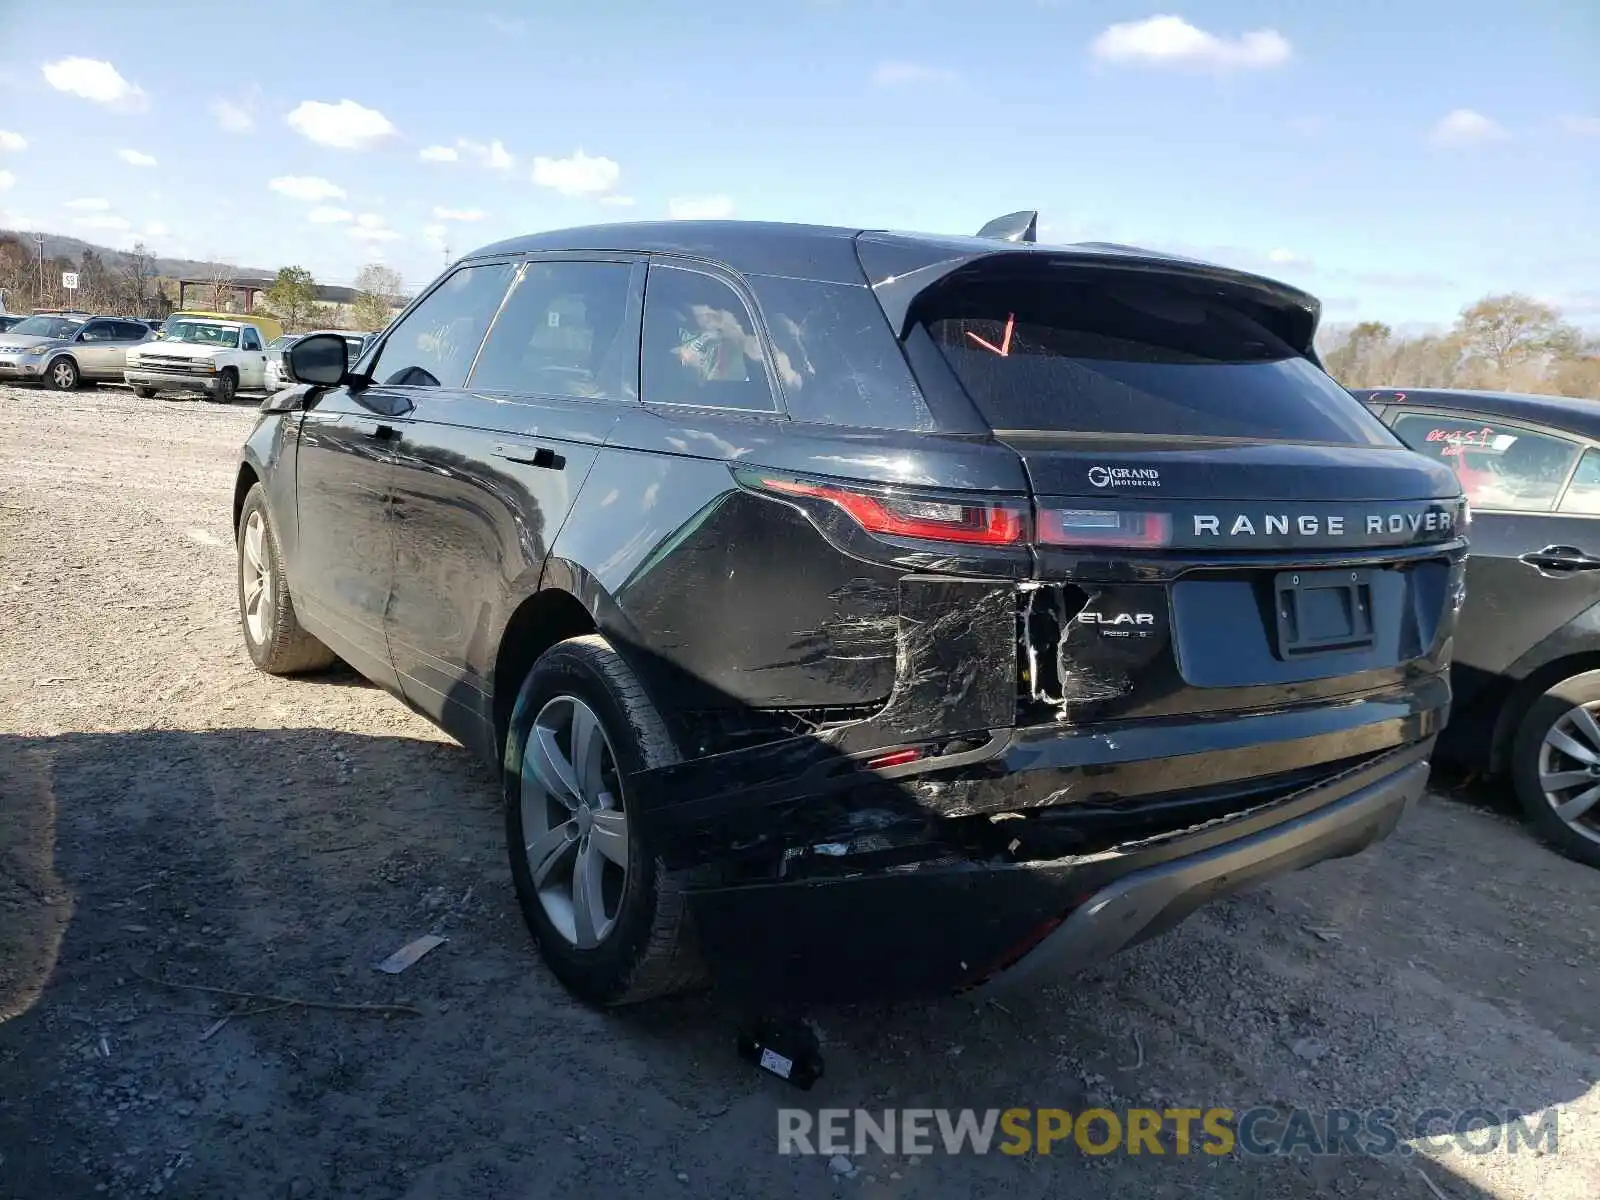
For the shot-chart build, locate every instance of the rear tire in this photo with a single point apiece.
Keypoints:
(1552, 777)
(273, 635)
(632, 939)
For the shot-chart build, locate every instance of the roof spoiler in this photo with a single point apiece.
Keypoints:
(1013, 227)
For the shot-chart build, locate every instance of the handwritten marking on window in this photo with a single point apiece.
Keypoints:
(1459, 440)
(1004, 348)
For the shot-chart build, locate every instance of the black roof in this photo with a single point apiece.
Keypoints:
(828, 252)
(1565, 412)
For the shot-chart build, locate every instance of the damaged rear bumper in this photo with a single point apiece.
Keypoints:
(953, 924)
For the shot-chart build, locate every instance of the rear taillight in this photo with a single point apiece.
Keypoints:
(971, 522)
(1103, 527)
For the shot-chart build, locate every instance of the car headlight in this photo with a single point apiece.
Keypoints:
(36, 351)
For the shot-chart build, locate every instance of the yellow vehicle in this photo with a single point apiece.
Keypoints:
(270, 327)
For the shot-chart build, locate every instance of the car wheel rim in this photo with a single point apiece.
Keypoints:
(253, 574)
(63, 374)
(1569, 770)
(574, 826)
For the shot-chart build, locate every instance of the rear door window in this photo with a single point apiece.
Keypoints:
(565, 331)
(1501, 465)
(1134, 357)
(700, 344)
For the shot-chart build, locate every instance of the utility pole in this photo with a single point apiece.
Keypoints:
(38, 239)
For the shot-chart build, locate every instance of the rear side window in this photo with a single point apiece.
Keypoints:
(1583, 493)
(1500, 465)
(562, 333)
(1134, 357)
(434, 345)
(836, 357)
(700, 344)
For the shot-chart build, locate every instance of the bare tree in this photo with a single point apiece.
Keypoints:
(138, 272)
(378, 294)
(220, 287)
(1506, 331)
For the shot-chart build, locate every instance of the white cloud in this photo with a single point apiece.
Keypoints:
(89, 204)
(1464, 127)
(325, 215)
(136, 158)
(457, 214)
(433, 232)
(94, 80)
(155, 229)
(1588, 126)
(345, 125)
(900, 74)
(492, 155)
(12, 142)
(1284, 257)
(103, 221)
(309, 188)
(1171, 41)
(232, 117)
(577, 175)
(618, 201)
(700, 208)
(7, 181)
(370, 227)
(438, 154)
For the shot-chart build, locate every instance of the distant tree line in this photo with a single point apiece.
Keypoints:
(131, 287)
(1509, 342)
(292, 298)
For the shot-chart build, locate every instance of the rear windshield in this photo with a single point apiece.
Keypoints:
(1135, 358)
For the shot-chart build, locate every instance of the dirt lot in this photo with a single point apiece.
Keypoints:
(165, 811)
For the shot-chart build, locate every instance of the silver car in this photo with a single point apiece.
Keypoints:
(63, 351)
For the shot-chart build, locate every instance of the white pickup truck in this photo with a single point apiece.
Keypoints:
(217, 358)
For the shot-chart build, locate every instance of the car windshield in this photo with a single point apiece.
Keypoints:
(202, 333)
(50, 327)
(284, 342)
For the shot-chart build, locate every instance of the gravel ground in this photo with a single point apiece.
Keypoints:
(167, 811)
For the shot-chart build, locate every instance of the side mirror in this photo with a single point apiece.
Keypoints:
(322, 360)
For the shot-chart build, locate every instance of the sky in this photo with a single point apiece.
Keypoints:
(1397, 159)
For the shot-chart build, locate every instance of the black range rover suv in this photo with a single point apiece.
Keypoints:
(860, 614)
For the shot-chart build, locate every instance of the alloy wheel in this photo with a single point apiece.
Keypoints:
(574, 827)
(1569, 770)
(253, 574)
(63, 375)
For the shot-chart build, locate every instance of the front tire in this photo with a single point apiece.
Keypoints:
(227, 387)
(273, 635)
(609, 919)
(1556, 767)
(145, 393)
(63, 375)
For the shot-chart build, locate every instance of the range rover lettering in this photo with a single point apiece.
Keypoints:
(861, 614)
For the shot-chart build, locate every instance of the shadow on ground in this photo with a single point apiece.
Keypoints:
(287, 862)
